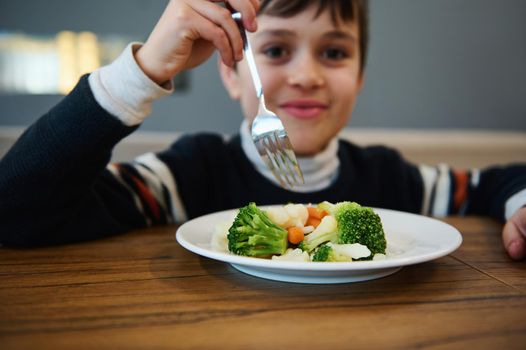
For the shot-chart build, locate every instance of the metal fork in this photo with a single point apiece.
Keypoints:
(268, 133)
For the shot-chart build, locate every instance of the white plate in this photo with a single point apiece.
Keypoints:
(411, 239)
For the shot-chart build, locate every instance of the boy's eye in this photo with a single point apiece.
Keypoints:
(275, 52)
(333, 53)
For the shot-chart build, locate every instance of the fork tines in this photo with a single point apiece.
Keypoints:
(276, 150)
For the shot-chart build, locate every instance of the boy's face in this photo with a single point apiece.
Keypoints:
(310, 71)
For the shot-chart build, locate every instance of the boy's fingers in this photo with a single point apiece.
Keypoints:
(210, 32)
(514, 243)
(248, 10)
(222, 18)
(514, 235)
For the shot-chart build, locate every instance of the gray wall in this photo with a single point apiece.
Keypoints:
(452, 64)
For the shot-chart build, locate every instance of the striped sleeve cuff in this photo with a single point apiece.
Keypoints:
(446, 191)
(160, 175)
(153, 189)
(124, 90)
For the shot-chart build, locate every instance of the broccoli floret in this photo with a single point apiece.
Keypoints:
(358, 224)
(326, 231)
(322, 253)
(253, 234)
(330, 252)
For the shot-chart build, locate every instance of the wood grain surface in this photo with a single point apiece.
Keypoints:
(143, 291)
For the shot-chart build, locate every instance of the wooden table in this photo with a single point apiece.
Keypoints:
(142, 290)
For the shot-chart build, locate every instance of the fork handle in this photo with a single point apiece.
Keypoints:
(249, 55)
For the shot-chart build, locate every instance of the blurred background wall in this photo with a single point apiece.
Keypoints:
(433, 64)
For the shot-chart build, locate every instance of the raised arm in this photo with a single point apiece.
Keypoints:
(55, 183)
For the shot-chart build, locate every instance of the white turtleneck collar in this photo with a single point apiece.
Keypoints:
(319, 171)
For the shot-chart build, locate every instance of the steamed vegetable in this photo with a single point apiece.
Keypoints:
(326, 231)
(359, 224)
(340, 252)
(344, 231)
(253, 234)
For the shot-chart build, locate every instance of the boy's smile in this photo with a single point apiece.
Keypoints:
(310, 71)
(303, 108)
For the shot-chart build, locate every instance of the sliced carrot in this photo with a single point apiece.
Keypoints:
(295, 235)
(312, 221)
(316, 213)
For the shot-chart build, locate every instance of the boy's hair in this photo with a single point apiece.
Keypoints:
(340, 10)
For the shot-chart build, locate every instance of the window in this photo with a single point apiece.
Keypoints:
(52, 64)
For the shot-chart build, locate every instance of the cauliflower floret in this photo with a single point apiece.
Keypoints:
(298, 214)
(219, 241)
(278, 215)
(308, 229)
(288, 215)
(340, 252)
(354, 250)
(328, 224)
(293, 255)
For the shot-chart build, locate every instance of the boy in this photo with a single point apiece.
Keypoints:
(56, 186)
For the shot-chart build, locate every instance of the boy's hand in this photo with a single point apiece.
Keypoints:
(514, 235)
(187, 33)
